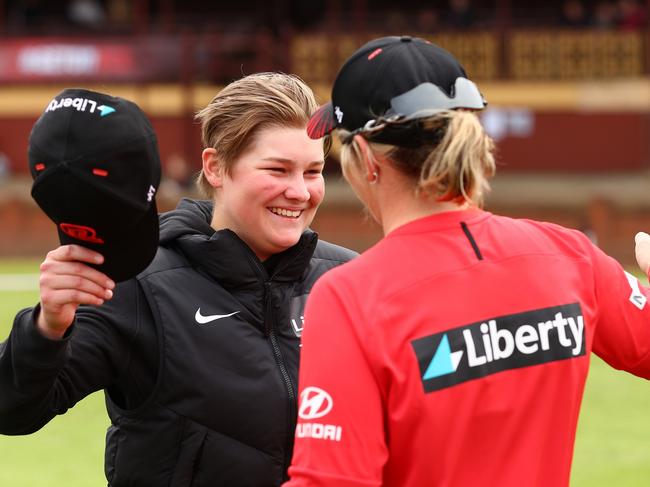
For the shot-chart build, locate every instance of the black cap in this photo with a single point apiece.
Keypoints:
(398, 78)
(96, 169)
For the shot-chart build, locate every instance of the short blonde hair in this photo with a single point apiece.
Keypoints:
(456, 168)
(230, 122)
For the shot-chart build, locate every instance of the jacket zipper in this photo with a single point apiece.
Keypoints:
(271, 333)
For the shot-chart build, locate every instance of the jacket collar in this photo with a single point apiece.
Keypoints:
(223, 255)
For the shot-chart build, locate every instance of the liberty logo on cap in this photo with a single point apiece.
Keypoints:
(96, 169)
(80, 104)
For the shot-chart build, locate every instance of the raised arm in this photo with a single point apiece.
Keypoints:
(622, 336)
(59, 352)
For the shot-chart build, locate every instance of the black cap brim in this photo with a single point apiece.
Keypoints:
(322, 122)
(127, 256)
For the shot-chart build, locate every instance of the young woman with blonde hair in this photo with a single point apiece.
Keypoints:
(197, 354)
(455, 351)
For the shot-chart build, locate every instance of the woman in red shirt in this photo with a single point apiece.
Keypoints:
(455, 351)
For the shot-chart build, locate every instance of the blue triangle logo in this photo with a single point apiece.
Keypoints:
(106, 110)
(444, 361)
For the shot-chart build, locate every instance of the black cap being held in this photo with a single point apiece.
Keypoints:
(96, 168)
(399, 79)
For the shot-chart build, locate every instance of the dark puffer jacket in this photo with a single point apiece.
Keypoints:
(198, 356)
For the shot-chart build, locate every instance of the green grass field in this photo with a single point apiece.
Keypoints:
(612, 446)
(69, 450)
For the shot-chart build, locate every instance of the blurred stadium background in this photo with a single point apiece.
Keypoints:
(567, 81)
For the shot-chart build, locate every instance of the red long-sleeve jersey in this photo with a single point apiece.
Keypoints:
(455, 352)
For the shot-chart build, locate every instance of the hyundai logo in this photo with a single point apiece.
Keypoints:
(314, 403)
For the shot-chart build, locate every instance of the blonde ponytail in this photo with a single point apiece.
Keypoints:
(456, 168)
(461, 164)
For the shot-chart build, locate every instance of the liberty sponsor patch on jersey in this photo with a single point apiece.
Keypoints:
(506, 342)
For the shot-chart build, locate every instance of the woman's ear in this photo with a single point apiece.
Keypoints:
(369, 161)
(212, 167)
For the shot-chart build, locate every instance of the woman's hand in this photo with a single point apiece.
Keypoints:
(66, 281)
(642, 251)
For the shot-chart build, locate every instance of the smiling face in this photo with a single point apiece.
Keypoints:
(272, 191)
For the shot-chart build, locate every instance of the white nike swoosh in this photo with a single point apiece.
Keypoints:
(202, 320)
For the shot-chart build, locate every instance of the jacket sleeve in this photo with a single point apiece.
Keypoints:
(340, 432)
(622, 334)
(40, 377)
